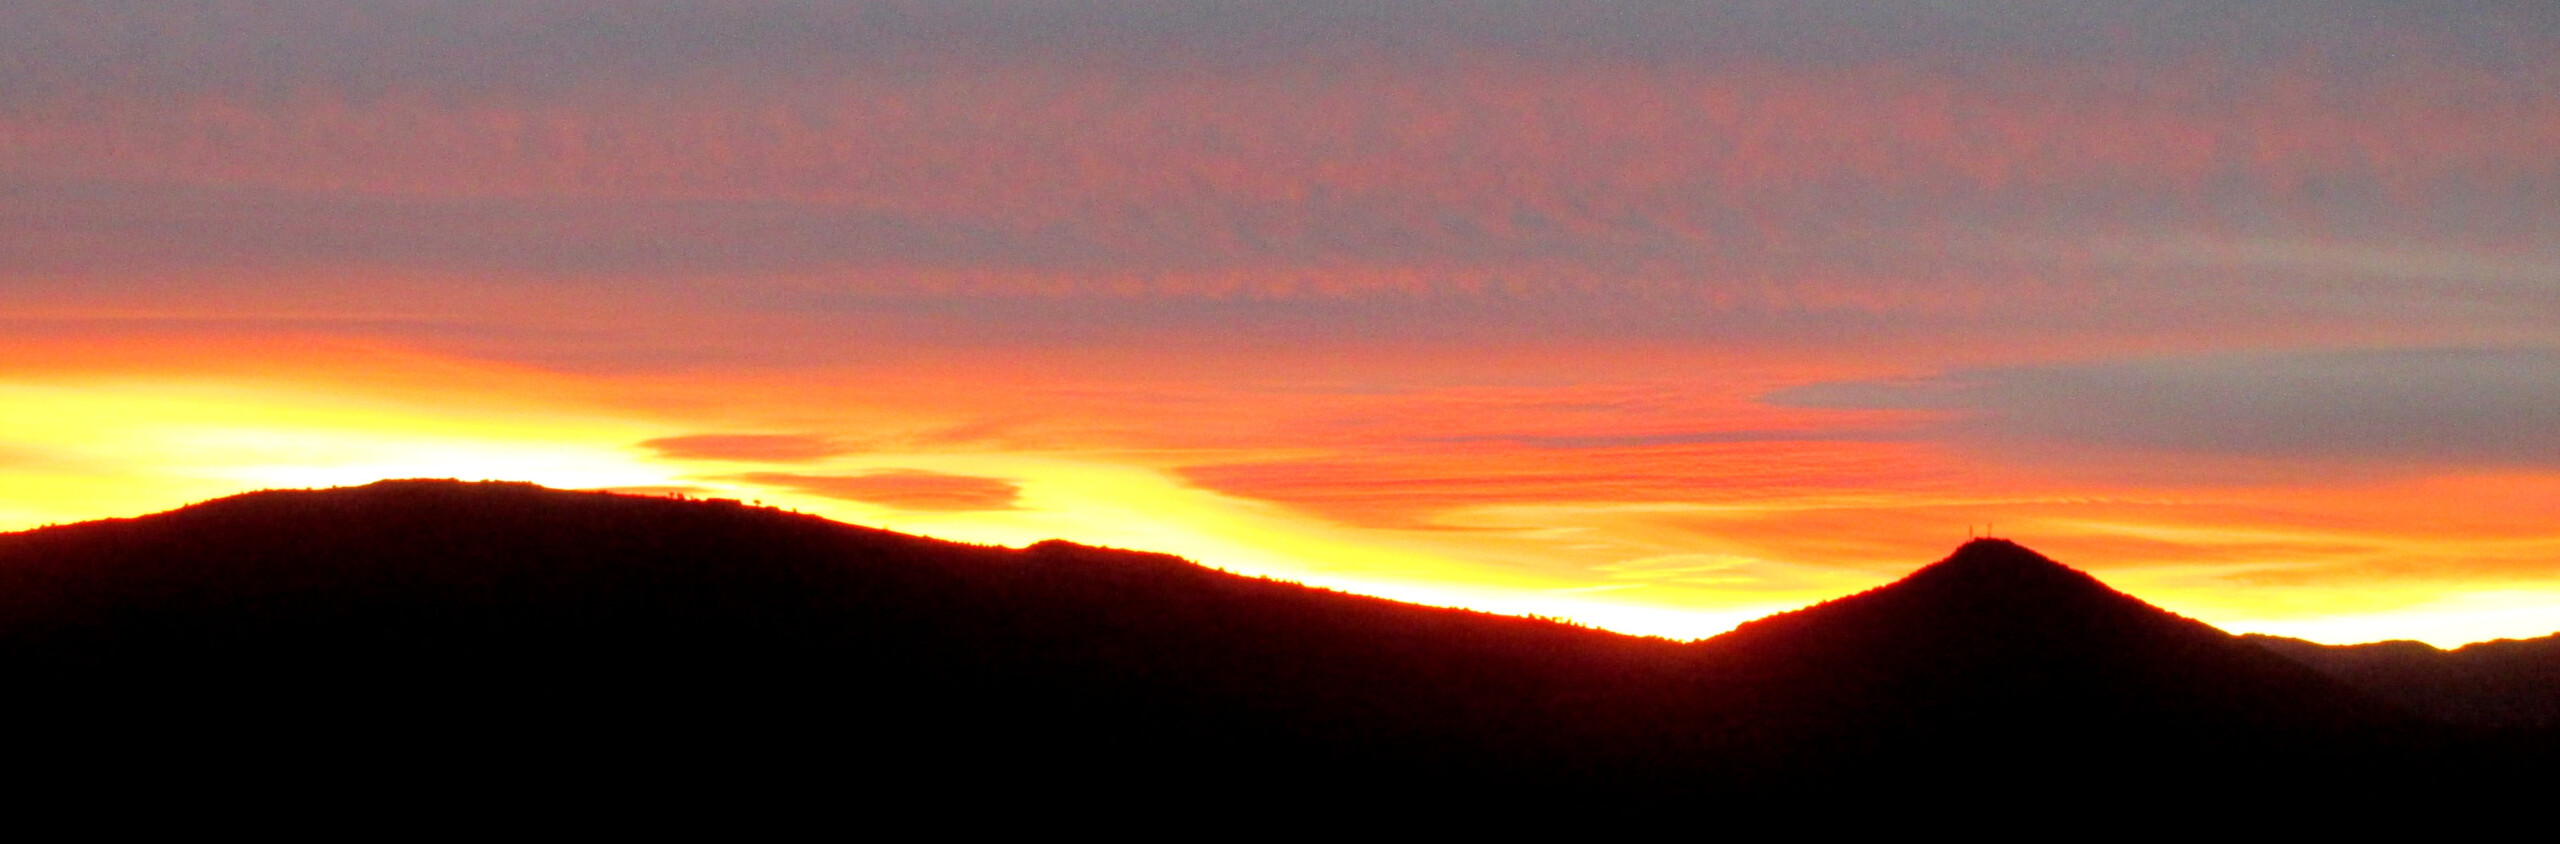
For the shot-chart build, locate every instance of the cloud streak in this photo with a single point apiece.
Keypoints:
(1552, 286)
(2417, 407)
(1435, 489)
(903, 489)
(747, 448)
(1481, 194)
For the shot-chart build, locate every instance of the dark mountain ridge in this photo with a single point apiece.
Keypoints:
(635, 634)
(2003, 650)
(2501, 683)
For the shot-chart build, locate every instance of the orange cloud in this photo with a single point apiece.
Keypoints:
(905, 489)
(1418, 489)
(1489, 287)
(747, 448)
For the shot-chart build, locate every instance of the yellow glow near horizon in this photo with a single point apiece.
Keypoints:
(86, 449)
(113, 448)
(1142, 509)
(2259, 327)
(104, 449)
(2446, 622)
(126, 447)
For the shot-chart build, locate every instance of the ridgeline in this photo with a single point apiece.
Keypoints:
(614, 635)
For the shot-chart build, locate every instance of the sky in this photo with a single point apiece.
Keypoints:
(1657, 316)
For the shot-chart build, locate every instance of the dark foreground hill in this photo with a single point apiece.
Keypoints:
(2510, 683)
(607, 635)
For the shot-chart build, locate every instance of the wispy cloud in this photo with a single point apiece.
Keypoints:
(1724, 173)
(1613, 440)
(1427, 489)
(905, 489)
(748, 448)
(1506, 281)
(2435, 408)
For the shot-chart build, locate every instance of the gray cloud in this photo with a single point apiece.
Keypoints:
(2480, 407)
(562, 45)
(1231, 268)
(800, 168)
(65, 224)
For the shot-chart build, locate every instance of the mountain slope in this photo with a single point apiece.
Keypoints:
(626, 633)
(512, 613)
(2504, 683)
(2004, 657)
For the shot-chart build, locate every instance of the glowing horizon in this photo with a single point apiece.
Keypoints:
(1657, 317)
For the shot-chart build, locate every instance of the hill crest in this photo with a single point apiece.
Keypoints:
(630, 611)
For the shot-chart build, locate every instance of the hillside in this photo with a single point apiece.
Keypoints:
(575, 620)
(629, 633)
(2503, 683)
(2000, 655)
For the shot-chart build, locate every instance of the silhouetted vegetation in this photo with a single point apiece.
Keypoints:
(650, 637)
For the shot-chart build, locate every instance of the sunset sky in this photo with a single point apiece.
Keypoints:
(1654, 315)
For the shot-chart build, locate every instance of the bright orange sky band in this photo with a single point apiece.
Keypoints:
(1656, 318)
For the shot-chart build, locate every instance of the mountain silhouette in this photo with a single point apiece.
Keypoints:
(1998, 657)
(646, 637)
(2501, 683)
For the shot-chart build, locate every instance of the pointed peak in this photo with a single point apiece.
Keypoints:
(1989, 594)
(2004, 566)
(1989, 551)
